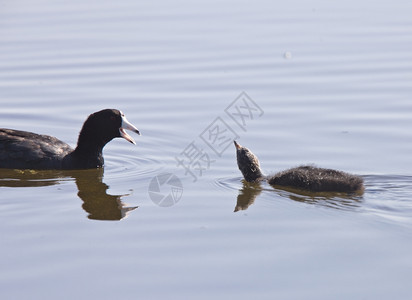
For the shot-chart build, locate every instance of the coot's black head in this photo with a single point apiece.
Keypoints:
(103, 126)
(248, 163)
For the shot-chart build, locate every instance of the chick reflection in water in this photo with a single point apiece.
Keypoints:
(91, 189)
(247, 195)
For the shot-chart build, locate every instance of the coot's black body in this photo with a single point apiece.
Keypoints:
(27, 150)
(304, 177)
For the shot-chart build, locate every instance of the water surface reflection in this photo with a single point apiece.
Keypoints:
(91, 189)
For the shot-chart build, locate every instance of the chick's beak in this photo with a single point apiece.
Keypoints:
(126, 125)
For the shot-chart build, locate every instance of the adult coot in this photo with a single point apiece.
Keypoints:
(27, 150)
(304, 177)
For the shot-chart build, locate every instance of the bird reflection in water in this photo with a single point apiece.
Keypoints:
(91, 189)
(247, 195)
(342, 201)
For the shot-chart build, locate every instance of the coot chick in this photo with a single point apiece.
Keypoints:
(27, 150)
(304, 177)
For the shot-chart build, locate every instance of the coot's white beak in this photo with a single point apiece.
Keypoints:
(128, 126)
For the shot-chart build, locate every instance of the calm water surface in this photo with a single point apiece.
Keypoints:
(296, 82)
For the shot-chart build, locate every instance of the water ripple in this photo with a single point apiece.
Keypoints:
(129, 166)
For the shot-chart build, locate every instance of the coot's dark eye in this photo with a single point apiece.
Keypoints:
(112, 118)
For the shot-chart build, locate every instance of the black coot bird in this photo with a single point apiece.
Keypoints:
(27, 150)
(304, 177)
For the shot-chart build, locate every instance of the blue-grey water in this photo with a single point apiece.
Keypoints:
(320, 82)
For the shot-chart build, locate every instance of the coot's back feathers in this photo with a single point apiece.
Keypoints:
(27, 150)
(23, 150)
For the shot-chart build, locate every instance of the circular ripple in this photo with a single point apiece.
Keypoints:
(238, 183)
(128, 166)
(229, 183)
